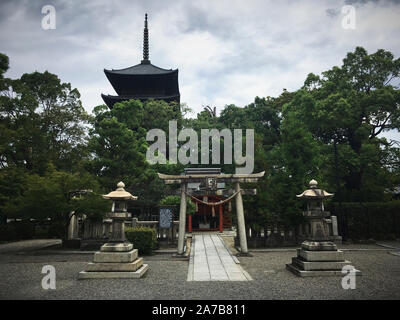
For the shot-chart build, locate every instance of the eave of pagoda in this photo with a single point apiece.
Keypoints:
(111, 100)
(135, 84)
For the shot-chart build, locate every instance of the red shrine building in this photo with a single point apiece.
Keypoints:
(206, 217)
(143, 81)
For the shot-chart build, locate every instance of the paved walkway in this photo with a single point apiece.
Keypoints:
(211, 261)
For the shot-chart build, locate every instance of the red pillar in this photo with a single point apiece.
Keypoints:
(220, 219)
(190, 223)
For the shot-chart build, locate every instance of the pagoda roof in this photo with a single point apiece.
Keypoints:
(141, 69)
(110, 100)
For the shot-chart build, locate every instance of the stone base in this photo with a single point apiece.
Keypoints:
(115, 260)
(115, 257)
(318, 245)
(319, 265)
(314, 263)
(116, 247)
(320, 255)
(114, 274)
(126, 267)
(317, 273)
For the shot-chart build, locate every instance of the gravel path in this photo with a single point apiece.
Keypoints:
(167, 279)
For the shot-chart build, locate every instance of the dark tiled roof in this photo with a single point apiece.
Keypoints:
(110, 100)
(141, 69)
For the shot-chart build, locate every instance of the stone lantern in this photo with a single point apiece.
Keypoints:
(116, 258)
(318, 256)
(118, 215)
(317, 218)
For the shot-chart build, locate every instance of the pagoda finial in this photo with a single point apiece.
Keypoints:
(145, 42)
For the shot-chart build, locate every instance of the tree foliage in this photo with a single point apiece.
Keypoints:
(330, 130)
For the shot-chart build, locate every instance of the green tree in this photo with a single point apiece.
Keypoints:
(118, 145)
(55, 195)
(350, 106)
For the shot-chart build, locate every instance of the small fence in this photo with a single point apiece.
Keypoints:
(270, 237)
(101, 230)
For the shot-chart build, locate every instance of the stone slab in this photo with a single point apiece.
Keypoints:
(211, 261)
(116, 247)
(318, 245)
(319, 265)
(115, 257)
(114, 275)
(315, 273)
(320, 255)
(129, 267)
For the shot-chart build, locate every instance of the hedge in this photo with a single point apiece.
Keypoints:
(143, 238)
(368, 220)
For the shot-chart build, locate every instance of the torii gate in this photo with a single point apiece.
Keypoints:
(213, 178)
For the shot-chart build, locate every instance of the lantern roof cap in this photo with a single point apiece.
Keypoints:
(314, 192)
(120, 193)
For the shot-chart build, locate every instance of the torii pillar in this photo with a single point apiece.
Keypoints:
(240, 219)
(182, 220)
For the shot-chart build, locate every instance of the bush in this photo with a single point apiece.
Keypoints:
(7, 232)
(144, 239)
(366, 220)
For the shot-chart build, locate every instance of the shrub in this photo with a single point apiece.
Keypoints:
(365, 220)
(144, 239)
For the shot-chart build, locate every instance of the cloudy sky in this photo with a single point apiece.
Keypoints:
(226, 51)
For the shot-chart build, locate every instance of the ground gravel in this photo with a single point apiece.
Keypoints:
(166, 279)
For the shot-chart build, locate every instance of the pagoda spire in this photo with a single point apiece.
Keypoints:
(145, 42)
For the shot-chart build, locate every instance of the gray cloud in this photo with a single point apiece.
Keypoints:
(226, 51)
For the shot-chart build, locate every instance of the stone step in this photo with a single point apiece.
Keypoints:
(320, 255)
(319, 265)
(115, 274)
(318, 246)
(317, 273)
(116, 247)
(115, 257)
(132, 266)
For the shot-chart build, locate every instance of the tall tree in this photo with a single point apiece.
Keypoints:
(350, 106)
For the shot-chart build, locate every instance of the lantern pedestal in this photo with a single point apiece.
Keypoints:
(318, 256)
(112, 261)
(116, 258)
(317, 263)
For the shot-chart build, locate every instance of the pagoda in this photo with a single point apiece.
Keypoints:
(143, 81)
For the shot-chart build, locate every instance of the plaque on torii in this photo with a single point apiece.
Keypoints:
(210, 180)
